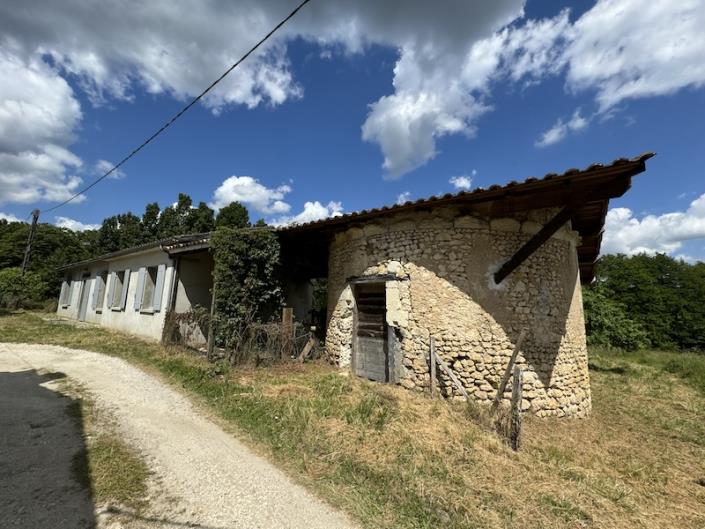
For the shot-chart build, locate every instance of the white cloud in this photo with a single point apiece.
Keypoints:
(448, 60)
(74, 225)
(38, 116)
(312, 211)
(9, 217)
(624, 233)
(403, 197)
(560, 129)
(103, 166)
(461, 182)
(251, 193)
(629, 48)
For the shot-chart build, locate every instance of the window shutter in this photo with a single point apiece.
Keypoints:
(68, 301)
(125, 286)
(62, 296)
(111, 288)
(159, 287)
(97, 284)
(139, 291)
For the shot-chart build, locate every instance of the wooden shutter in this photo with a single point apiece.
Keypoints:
(111, 288)
(139, 291)
(371, 347)
(68, 300)
(96, 288)
(125, 287)
(159, 288)
(62, 296)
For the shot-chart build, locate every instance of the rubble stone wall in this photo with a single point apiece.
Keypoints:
(442, 263)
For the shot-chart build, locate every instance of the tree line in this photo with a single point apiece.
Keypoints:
(646, 301)
(54, 247)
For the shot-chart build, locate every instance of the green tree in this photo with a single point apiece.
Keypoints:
(234, 215)
(150, 222)
(200, 219)
(607, 323)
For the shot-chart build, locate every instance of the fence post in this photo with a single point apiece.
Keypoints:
(515, 428)
(211, 327)
(432, 364)
(288, 330)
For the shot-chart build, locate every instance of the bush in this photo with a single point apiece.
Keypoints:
(17, 290)
(247, 280)
(607, 323)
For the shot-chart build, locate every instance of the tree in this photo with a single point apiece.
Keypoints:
(150, 222)
(234, 215)
(16, 290)
(172, 221)
(200, 219)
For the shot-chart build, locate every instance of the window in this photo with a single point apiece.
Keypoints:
(99, 295)
(118, 282)
(150, 281)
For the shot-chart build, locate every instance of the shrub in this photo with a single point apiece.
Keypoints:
(17, 290)
(607, 323)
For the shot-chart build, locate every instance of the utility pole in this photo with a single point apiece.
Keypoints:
(32, 230)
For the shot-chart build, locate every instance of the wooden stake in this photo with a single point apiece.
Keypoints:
(508, 371)
(515, 430)
(432, 364)
(288, 329)
(211, 327)
(456, 381)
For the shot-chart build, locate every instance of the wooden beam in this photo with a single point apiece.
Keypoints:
(432, 363)
(456, 381)
(533, 244)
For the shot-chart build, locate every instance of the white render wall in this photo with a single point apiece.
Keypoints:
(141, 323)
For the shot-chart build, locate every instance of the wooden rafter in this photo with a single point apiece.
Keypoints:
(534, 243)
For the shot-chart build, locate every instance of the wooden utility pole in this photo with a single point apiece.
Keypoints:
(28, 249)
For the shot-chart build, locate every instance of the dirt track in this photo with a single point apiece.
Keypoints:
(206, 477)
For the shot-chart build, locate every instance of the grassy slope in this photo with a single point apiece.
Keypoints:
(397, 459)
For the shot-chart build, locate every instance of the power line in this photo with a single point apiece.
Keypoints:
(183, 110)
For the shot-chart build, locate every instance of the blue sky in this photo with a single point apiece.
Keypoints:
(334, 107)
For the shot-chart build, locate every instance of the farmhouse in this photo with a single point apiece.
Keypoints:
(474, 271)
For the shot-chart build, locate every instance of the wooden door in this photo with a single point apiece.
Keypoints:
(370, 355)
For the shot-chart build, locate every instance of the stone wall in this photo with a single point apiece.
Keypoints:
(443, 263)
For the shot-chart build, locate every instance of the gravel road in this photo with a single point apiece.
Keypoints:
(207, 478)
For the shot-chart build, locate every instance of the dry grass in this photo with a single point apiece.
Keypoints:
(398, 459)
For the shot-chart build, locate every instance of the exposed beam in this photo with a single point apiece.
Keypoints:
(533, 244)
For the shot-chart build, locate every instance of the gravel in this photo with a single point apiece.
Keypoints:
(203, 475)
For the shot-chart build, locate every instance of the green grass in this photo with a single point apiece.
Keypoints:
(397, 459)
(110, 467)
(690, 367)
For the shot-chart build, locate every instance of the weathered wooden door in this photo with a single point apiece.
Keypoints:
(83, 305)
(370, 354)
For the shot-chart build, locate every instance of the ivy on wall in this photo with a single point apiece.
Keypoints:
(247, 280)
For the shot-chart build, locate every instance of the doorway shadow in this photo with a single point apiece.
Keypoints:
(43, 457)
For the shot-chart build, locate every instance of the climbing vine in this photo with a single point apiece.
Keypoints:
(247, 280)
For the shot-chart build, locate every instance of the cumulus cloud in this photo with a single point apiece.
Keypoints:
(74, 225)
(251, 193)
(38, 116)
(627, 49)
(103, 166)
(461, 182)
(448, 60)
(9, 217)
(561, 129)
(403, 197)
(312, 211)
(625, 233)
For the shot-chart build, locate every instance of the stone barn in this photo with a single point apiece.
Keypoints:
(473, 270)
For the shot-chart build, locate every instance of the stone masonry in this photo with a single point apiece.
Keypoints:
(443, 263)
